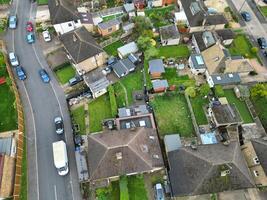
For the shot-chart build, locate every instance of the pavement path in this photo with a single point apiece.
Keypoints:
(42, 102)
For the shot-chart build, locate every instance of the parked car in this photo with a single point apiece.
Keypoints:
(246, 16)
(46, 36)
(265, 1)
(112, 60)
(107, 70)
(59, 125)
(262, 42)
(13, 59)
(44, 76)
(29, 26)
(159, 192)
(30, 38)
(73, 81)
(21, 73)
(12, 22)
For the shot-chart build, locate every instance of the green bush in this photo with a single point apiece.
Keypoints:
(124, 194)
(219, 91)
(112, 99)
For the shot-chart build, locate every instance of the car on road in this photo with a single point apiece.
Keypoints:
(21, 73)
(46, 36)
(13, 59)
(159, 192)
(12, 22)
(59, 125)
(44, 76)
(246, 16)
(29, 26)
(262, 42)
(30, 38)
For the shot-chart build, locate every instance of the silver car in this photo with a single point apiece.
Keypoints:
(59, 125)
(13, 59)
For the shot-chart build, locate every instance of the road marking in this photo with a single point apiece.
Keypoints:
(55, 190)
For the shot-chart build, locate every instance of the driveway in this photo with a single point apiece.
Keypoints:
(41, 102)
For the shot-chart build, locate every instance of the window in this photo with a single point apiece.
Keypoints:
(256, 160)
(256, 173)
(69, 24)
(110, 29)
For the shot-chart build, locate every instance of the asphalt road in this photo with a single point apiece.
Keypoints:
(42, 102)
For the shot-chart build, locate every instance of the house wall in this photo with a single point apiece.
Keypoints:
(105, 32)
(170, 42)
(155, 75)
(89, 27)
(157, 3)
(167, 2)
(195, 44)
(162, 89)
(206, 28)
(209, 79)
(67, 26)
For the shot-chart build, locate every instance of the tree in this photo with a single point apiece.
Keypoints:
(254, 50)
(244, 91)
(204, 89)
(141, 24)
(144, 43)
(259, 90)
(219, 92)
(191, 92)
(151, 52)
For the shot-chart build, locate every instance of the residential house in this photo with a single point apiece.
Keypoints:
(64, 16)
(109, 27)
(255, 155)
(128, 28)
(97, 82)
(197, 64)
(198, 17)
(124, 152)
(160, 85)
(226, 36)
(228, 79)
(156, 68)
(208, 169)
(82, 49)
(127, 49)
(87, 20)
(129, 9)
(169, 35)
(123, 67)
(203, 40)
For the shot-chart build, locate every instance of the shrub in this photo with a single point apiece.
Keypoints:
(112, 100)
(219, 91)
(191, 92)
(254, 50)
(124, 194)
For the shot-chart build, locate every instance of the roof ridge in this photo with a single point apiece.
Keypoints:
(79, 51)
(197, 155)
(139, 156)
(138, 132)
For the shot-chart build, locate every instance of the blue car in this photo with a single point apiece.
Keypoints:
(21, 73)
(44, 76)
(30, 38)
(246, 16)
(12, 22)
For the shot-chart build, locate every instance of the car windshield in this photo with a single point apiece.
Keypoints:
(59, 125)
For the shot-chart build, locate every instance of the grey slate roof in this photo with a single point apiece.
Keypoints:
(124, 112)
(226, 79)
(169, 32)
(194, 172)
(204, 39)
(80, 44)
(86, 18)
(172, 142)
(123, 67)
(129, 7)
(62, 11)
(156, 66)
(260, 147)
(225, 34)
(200, 10)
(109, 24)
(123, 152)
(198, 61)
(158, 84)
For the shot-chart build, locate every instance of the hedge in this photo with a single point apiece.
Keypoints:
(113, 102)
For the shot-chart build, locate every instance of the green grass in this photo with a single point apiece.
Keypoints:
(42, 2)
(111, 192)
(65, 73)
(161, 10)
(261, 109)
(172, 115)
(99, 109)
(240, 105)
(24, 184)
(111, 17)
(263, 10)
(197, 104)
(177, 51)
(3, 24)
(131, 82)
(112, 48)
(174, 79)
(136, 188)
(4, 2)
(8, 113)
(242, 46)
(78, 115)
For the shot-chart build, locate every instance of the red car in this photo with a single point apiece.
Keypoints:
(29, 27)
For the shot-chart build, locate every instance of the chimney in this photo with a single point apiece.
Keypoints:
(119, 155)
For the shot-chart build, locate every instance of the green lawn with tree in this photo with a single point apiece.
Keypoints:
(172, 114)
(136, 188)
(65, 73)
(112, 48)
(174, 78)
(78, 115)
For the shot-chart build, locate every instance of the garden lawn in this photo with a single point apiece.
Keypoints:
(240, 105)
(4, 2)
(136, 188)
(111, 17)
(99, 109)
(112, 48)
(197, 104)
(78, 115)
(176, 51)
(264, 10)
(261, 109)
(42, 2)
(112, 193)
(174, 79)
(162, 10)
(172, 115)
(242, 46)
(65, 73)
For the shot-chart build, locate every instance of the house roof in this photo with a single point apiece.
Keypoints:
(156, 66)
(108, 24)
(172, 142)
(198, 61)
(123, 152)
(129, 7)
(128, 48)
(240, 65)
(128, 26)
(204, 39)
(196, 12)
(225, 34)
(194, 172)
(86, 18)
(169, 32)
(62, 11)
(260, 147)
(158, 84)
(6, 145)
(123, 67)
(80, 44)
(226, 114)
(226, 79)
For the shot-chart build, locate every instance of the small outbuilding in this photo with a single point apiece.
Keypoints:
(109, 27)
(127, 49)
(169, 35)
(156, 68)
(123, 67)
(160, 85)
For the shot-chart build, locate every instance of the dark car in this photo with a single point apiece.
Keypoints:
(59, 125)
(246, 16)
(44, 76)
(265, 53)
(73, 81)
(262, 42)
(21, 73)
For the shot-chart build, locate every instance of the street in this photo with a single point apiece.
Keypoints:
(42, 102)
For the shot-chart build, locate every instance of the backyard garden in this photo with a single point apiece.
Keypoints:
(198, 104)
(112, 48)
(65, 72)
(78, 115)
